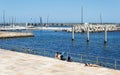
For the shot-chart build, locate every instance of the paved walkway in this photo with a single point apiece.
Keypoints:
(13, 63)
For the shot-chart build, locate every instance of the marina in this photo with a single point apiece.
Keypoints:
(65, 37)
(51, 42)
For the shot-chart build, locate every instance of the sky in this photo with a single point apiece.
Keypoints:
(62, 11)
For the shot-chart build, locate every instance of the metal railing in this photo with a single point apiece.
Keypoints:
(82, 58)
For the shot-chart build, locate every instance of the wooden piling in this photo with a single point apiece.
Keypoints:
(73, 33)
(105, 35)
(87, 33)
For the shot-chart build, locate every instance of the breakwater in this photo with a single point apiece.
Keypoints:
(94, 28)
(15, 34)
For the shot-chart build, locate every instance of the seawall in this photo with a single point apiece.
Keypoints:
(14, 63)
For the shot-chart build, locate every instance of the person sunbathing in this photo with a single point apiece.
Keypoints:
(91, 65)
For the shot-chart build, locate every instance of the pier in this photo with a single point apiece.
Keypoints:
(15, 34)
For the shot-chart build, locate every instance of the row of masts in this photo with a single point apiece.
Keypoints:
(13, 20)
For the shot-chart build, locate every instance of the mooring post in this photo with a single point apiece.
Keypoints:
(81, 58)
(28, 51)
(44, 52)
(73, 33)
(105, 34)
(34, 52)
(87, 32)
(97, 60)
(115, 64)
(23, 50)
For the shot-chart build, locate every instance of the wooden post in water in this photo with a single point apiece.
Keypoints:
(73, 33)
(87, 32)
(105, 34)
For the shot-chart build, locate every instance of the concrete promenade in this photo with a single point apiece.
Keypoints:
(14, 63)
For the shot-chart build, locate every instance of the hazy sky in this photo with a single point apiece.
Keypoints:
(60, 10)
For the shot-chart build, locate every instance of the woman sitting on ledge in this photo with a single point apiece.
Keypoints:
(56, 55)
(59, 56)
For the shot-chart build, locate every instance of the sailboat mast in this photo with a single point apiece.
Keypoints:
(4, 18)
(12, 22)
(47, 20)
(40, 21)
(100, 18)
(82, 15)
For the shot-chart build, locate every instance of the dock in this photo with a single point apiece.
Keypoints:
(51, 28)
(15, 34)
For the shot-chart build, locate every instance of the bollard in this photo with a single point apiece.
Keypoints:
(96, 60)
(23, 50)
(34, 52)
(115, 64)
(81, 58)
(44, 52)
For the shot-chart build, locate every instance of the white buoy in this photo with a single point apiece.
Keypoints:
(72, 33)
(105, 35)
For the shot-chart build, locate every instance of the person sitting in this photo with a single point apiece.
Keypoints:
(59, 56)
(56, 55)
(69, 59)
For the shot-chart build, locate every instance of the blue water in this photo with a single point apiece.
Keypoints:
(61, 41)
